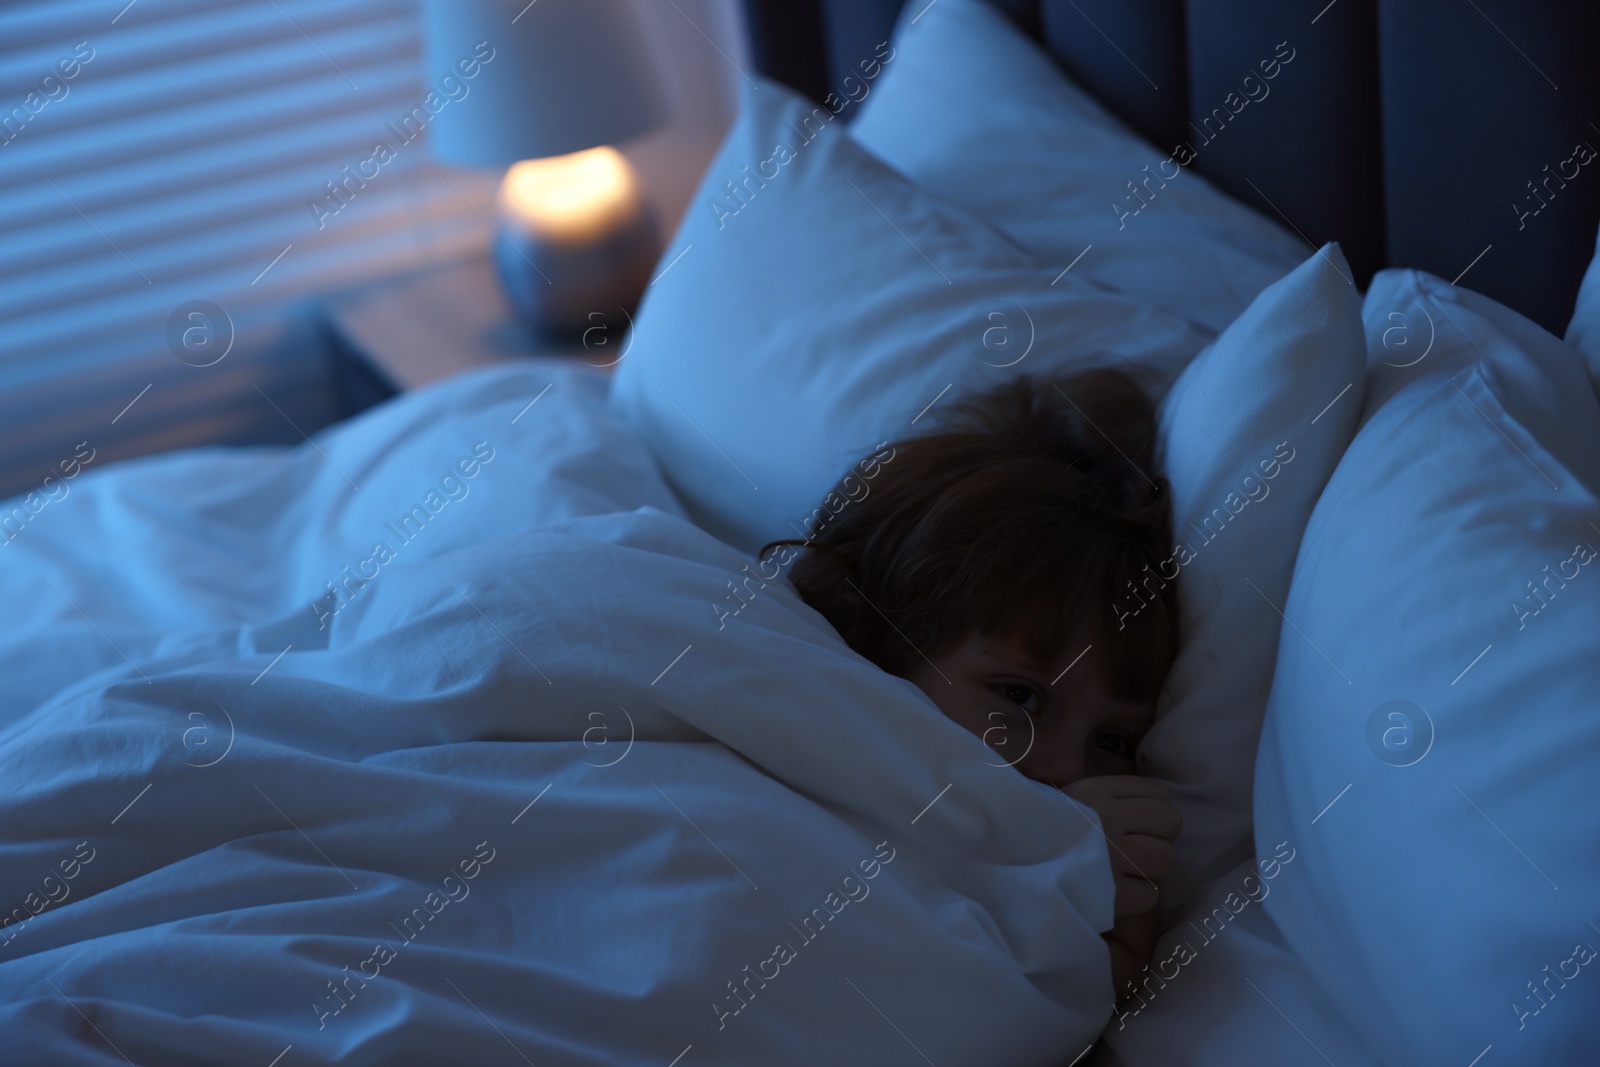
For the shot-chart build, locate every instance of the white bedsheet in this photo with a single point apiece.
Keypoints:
(523, 759)
(1224, 988)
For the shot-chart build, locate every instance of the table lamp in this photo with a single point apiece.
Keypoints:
(564, 81)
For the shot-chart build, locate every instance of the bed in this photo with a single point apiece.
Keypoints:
(1353, 149)
(476, 729)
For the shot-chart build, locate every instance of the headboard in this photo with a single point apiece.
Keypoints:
(1417, 133)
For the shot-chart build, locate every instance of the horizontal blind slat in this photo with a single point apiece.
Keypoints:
(405, 218)
(126, 183)
(152, 96)
(106, 267)
(184, 157)
(213, 28)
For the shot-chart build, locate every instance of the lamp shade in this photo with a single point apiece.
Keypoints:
(566, 75)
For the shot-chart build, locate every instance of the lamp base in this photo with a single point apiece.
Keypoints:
(560, 289)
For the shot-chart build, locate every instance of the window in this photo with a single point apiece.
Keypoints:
(181, 159)
(158, 152)
(154, 153)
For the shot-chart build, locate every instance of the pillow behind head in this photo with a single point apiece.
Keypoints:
(815, 303)
(1432, 738)
(1583, 332)
(1251, 432)
(973, 110)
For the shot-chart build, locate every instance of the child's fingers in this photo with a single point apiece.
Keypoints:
(1142, 857)
(1146, 815)
(1126, 967)
(1115, 787)
(1135, 896)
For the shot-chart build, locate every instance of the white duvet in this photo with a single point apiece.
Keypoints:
(422, 744)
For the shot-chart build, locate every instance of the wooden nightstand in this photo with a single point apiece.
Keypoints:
(406, 332)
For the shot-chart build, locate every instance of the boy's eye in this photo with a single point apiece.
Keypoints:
(1115, 744)
(1023, 696)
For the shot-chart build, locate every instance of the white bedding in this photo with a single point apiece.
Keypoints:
(1225, 989)
(523, 759)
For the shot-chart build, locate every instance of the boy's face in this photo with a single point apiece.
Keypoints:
(1053, 722)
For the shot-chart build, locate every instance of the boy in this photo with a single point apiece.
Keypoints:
(984, 565)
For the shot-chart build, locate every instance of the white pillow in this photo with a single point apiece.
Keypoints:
(1583, 332)
(792, 330)
(1433, 735)
(1250, 434)
(973, 110)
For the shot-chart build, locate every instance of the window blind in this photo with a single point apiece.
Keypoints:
(158, 152)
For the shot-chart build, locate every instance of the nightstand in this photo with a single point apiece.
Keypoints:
(405, 332)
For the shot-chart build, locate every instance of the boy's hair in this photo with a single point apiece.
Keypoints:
(1029, 514)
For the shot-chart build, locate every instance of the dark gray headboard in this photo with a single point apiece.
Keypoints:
(1418, 133)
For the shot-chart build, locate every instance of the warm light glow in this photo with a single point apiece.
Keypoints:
(576, 197)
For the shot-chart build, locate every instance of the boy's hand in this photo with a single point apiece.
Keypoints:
(1140, 825)
(1132, 942)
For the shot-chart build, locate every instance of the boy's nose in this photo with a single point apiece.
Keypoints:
(1054, 763)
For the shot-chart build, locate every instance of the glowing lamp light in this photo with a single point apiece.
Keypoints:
(570, 78)
(579, 197)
